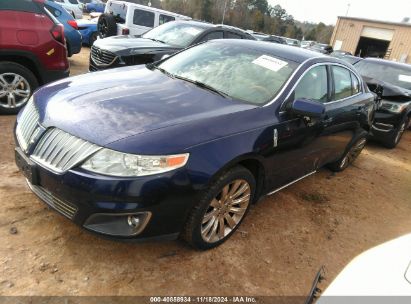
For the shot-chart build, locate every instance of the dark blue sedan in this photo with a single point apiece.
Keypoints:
(184, 146)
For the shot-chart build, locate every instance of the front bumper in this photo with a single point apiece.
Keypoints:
(385, 125)
(80, 196)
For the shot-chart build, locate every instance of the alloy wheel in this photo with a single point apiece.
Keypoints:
(15, 90)
(354, 152)
(226, 211)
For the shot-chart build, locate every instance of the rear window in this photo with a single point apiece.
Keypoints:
(118, 10)
(143, 18)
(55, 12)
(164, 19)
(20, 5)
(233, 36)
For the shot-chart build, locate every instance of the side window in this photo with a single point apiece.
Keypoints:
(231, 35)
(164, 19)
(342, 83)
(356, 88)
(213, 35)
(313, 85)
(143, 18)
(56, 13)
(73, 1)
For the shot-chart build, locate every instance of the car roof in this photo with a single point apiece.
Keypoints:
(291, 53)
(388, 63)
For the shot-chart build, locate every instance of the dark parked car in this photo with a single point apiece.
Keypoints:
(32, 51)
(184, 146)
(163, 40)
(269, 38)
(350, 59)
(321, 48)
(392, 80)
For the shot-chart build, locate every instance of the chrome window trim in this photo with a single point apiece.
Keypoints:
(309, 69)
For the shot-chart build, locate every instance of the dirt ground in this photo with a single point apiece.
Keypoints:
(326, 219)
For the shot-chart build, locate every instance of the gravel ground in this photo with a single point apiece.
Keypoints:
(326, 219)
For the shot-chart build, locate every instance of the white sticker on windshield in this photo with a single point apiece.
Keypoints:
(192, 31)
(404, 78)
(270, 63)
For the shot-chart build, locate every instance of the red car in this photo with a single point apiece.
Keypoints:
(32, 51)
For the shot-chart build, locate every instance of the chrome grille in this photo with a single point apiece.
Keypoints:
(60, 151)
(27, 126)
(65, 208)
(102, 57)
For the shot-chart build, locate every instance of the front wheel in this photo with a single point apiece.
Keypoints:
(221, 209)
(17, 83)
(349, 156)
(395, 138)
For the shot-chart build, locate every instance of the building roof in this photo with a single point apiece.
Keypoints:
(407, 24)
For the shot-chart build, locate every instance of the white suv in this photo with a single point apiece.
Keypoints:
(125, 18)
(74, 7)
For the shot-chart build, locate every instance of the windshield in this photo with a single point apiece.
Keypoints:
(238, 72)
(179, 34)
(396, 75)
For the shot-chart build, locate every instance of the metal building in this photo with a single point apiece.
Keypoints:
(373, 38)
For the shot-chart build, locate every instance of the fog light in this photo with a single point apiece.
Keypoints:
(133, 221)
(116, 224)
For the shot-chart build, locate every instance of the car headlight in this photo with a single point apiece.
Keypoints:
(394, 107)
(113, 163)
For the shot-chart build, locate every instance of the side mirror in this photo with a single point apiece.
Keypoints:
(306, 107)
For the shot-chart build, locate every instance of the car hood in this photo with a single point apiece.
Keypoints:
(132, 45)
(389, 91)
(108, 106)
(381, 271)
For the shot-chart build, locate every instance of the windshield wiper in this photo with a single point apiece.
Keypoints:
(202, 85)
(156, 40)
(153, 66)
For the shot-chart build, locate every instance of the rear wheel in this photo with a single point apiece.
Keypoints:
(221, 209)
(106, 26)
(350, 156)
(17, 84)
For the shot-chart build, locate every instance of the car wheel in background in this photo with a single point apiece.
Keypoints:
(17, 84)
(106, 26)
(350, 155)
(69, 52)
(221, 209)
(93, 38)
(395, 138)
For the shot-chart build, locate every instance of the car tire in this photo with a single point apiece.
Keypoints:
(203, 228)
(93, 38)
(106, 26)
(395, 138)
(351, 154)
(9, 72)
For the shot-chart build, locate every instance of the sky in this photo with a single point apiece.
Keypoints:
(327, 10)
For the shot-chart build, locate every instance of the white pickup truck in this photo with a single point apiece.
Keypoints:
(125, 18)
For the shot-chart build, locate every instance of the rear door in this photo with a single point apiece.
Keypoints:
(342, 112)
